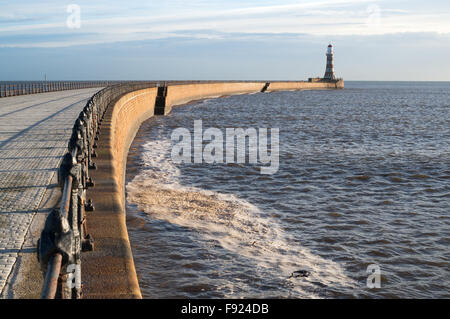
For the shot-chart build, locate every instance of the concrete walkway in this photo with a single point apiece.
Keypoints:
(34, 132)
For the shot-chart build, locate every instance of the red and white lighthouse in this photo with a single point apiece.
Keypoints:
(329, 71)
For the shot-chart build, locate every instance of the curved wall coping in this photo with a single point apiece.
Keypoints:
(108, 271)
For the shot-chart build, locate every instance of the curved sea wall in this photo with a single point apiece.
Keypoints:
(181, 94)
(108, 271)
(281, 86)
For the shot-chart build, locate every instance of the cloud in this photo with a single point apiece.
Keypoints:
(112, 22)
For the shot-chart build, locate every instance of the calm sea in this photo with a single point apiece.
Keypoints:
(364, 179)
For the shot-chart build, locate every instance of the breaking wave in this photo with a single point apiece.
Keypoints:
(234, 225)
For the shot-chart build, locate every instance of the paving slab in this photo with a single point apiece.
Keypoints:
(34, 132)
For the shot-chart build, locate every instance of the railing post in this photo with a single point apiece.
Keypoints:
(75, 292)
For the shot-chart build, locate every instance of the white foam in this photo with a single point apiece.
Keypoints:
(235, 224)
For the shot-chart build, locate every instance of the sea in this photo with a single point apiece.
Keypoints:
(358, 208)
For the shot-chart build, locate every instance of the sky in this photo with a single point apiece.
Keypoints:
(383, 40)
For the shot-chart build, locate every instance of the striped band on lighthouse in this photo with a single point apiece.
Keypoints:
(329, 71)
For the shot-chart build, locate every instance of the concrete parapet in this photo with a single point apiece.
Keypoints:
(319, 85)
(180, 94)
(108, 272)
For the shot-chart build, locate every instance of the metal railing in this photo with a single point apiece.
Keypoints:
(30, 87)
(33, 87)
(65, 235)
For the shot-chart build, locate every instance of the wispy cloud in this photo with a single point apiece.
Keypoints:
(113, 21)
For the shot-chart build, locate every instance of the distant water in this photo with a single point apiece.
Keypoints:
(364, 179)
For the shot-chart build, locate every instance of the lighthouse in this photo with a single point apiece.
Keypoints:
(329, 71)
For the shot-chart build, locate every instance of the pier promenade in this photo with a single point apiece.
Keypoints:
(34, 132)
